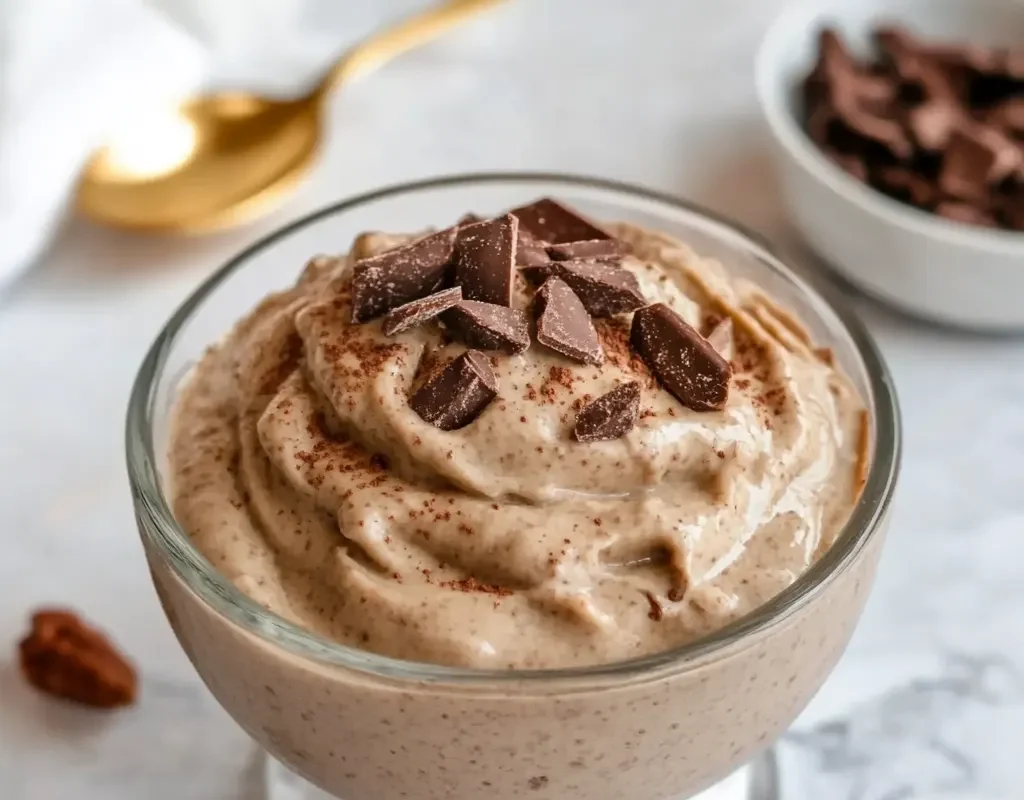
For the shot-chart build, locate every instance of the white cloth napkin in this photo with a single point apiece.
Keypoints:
(70, 71)
(73, 71)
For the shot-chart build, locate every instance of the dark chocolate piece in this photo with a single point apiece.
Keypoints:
(683, 361)
(966, 213)
(594, 248)
(1012, 210)
(401, 275)
(419, 311)
(604, 288)
(976, 159)
(849, 163)
(485, 258)
(469, 219)
(552, 222)
(530, 251)
(1008, 116)
(610, 416)
(489, 327)
(564, 325)
(873, 128)
(458, 394)
(916, 66)
(907, 186)
(837, 74)
(932, 124)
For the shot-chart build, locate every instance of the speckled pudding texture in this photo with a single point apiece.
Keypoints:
(300, 470)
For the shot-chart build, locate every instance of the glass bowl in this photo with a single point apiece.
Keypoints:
(363, 726)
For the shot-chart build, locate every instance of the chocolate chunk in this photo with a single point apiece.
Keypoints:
(837, 74)
(851, 164)
(594, 248)
(721, 338)
(683, 361)
(489, 326)
(966, 213)
(610, 416)
(530, 251)
(873, 128)
(916, 66)
(1012, 210)
(469, 219)
(419, 311)
(400, 276)
(1008, 116)
(564, 325)
(458, 394)
(485, 257)
(552, 222)
(906, 185)
(604, 288)
(932, 124)
(976, 159)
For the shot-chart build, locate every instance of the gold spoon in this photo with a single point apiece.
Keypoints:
(227, 158)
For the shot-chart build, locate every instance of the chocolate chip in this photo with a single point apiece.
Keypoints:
(966, 213)
(594, 248)
(915, 66)
(721, 338)
(552, 222)
(837, 74)
(932, 124)
(564, 325)
(873, 128)
(604, 288)
(976, 159)
(682, 360)
(1012, 210)
(401, 275)
(419, 311)
(485, 257)
(489, 327)
(906, 185)
(1008, 115)
(850, 163)
(458, 394)
(610, 416)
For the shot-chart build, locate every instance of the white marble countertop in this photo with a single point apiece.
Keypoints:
(660, 95)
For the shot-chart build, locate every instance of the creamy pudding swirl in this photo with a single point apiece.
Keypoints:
(301, 470)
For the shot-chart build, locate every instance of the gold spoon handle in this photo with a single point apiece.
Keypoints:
(397, 39)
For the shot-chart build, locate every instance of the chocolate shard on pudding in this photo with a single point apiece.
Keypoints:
(530, 251)
(683, 361)
(564, 325)
(458, 394)
(419, 311)
(593, 248)
(489, 327)
(401, 275)
(610, 416)
(604, 288)
(550, 221)
(485, 260)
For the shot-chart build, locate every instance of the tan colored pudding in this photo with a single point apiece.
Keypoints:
(583, 514)
(302, 472)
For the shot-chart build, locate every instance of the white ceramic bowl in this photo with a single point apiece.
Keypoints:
(930, 266)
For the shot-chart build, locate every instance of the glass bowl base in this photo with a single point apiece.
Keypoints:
(747, 783)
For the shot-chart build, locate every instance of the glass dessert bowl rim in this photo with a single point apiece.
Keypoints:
(160, 529)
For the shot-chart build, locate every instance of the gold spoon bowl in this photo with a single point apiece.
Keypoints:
(223, 159)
